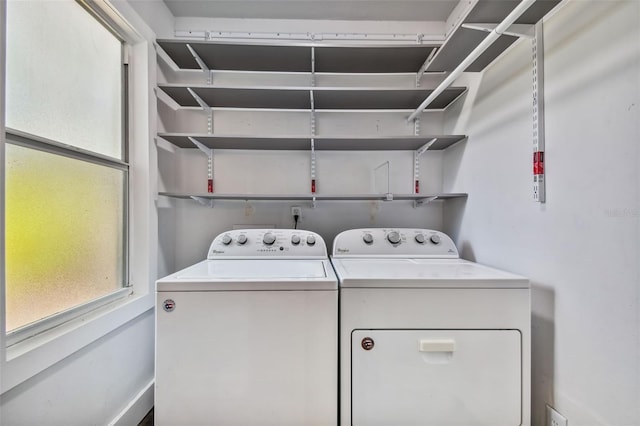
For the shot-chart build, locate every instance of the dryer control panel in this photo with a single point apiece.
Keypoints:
(268, 243)
(394, 242)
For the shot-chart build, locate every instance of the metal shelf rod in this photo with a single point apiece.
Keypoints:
(479, 50)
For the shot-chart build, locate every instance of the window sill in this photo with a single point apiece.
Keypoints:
(30, 357)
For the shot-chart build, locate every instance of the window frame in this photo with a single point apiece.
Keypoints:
(38, 143)
(26, 359)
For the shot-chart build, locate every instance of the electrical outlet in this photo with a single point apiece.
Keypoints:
(296, 211)
(555, 419)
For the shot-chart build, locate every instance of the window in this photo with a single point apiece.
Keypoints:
(66, 165)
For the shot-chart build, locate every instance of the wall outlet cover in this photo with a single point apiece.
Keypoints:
(554, 418)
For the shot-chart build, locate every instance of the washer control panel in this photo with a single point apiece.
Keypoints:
(259, 243)
(390, 242)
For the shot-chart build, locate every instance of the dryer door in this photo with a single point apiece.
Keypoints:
(436, 377)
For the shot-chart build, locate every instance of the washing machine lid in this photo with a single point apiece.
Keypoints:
(252, 274)
(422, 273)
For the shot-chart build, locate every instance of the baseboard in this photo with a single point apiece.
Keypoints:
(135, 411)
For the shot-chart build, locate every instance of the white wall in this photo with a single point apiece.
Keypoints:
(287, 172)
(91, 386)
(581, 248)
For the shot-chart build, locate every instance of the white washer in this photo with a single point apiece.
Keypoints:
(427, 338)
(249, 336)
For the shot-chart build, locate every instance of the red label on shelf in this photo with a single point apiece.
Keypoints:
(417, 187)
(538, 163)
(313, 186)
(210, 185)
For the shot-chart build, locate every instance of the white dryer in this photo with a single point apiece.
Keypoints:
(248, 337)
(427, 338)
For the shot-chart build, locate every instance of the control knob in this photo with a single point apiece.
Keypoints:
(226, 239)
(393, 237)
(242, 239)
(435, 239)
(269, 238)
(367, 238)
(420, 239)
(311, 240)
(295, 240)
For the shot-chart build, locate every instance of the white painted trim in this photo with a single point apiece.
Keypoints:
(30, 357)
(137, 408)
(3, 327)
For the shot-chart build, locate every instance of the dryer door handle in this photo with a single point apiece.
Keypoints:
(431, 345)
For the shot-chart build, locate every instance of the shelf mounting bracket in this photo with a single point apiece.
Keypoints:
(209, 153)
(205, 107)
(424, 201)
(203, 201)
(539, 183)
(200, 62)
(425, 65)
(313, 66)
(515, 30)
(416, 164)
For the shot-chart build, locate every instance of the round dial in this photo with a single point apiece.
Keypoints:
(393, 237)
(226, 239)
(242, 239)
(311, 240)
(420, 239)
(269, 238)
(367, 238)
(295, 240)
(435, 239)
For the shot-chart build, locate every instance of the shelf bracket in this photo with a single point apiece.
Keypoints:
(539, 183)
(203, 201)
(168, 100)
(209, 153)
(313, 66)
(425, 65)
(199, 100)
(416, 127)
(313, 145)
(515, 30)
(416, 164)
(205, 107)
(424, 201)
(313, 202)
(200, 62)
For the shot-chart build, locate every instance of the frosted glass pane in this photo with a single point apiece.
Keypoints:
(64, 233)
(64, 76)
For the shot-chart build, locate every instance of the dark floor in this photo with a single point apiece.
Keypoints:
(148, 419)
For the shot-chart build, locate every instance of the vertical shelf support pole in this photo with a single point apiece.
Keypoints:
(538, 115)
(209, 153)
(416, 166)
(313, 128)
(313, 147)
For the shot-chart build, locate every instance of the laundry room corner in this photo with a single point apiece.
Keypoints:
(580, 247)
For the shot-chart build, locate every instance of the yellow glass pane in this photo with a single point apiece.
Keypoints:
(64, 233)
